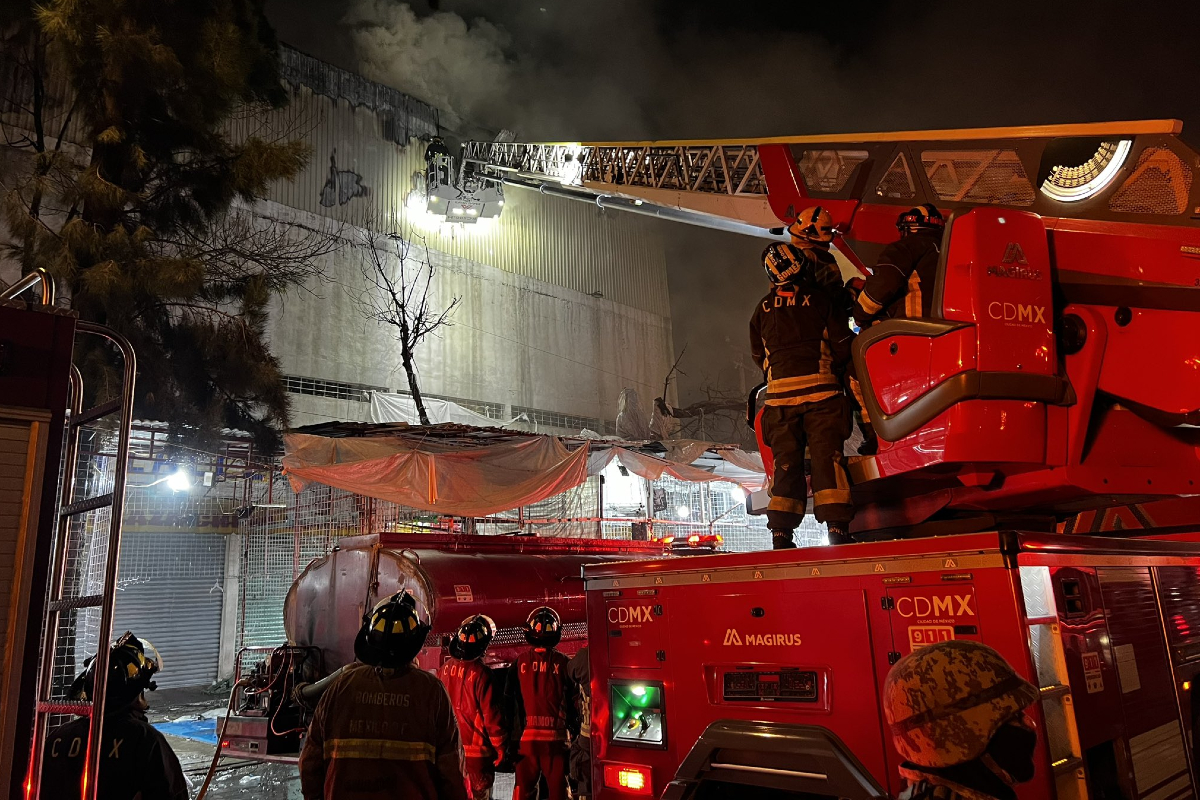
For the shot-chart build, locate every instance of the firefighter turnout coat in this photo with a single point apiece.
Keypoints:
(137, 761)
(541, 696)
(480, 722)
(801, 341)
(383, 733)
(902, 283)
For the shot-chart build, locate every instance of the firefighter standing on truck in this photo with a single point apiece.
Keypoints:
(957, 714)
(469, 683)
(801, 341)
(812, 236)
(385, 728)
(901, 284)
(541, 699)
(136, 761)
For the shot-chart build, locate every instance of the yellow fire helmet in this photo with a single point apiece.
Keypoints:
(813, 224)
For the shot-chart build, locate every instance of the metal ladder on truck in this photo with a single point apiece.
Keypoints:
(64, 596)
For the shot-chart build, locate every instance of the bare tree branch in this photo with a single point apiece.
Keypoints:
(399, 294)
(671, 372)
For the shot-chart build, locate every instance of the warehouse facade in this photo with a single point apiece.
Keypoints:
(561, 306)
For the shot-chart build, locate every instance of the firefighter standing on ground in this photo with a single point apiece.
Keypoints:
(469, 683)
(956, 710)
(137, 761)
(541, 698)
(801, 341)
(384, 729)
(580, 672)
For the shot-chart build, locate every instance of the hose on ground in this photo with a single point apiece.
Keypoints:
(212, 768)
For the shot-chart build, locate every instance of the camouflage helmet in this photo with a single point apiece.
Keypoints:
(945, 702)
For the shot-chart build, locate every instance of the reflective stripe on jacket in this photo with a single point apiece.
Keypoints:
(382, 733)
(541, 695)
(469, 684)
(802, 343)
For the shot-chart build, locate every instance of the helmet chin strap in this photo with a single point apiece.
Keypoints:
(1000, 772)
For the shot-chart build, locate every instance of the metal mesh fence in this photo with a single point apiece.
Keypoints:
(215, 494)
(287, 530)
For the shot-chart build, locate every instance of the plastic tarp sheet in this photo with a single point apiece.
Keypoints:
(652, 468)
(387, 407)
(444, 478)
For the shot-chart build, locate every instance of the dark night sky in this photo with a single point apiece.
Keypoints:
(635, 69)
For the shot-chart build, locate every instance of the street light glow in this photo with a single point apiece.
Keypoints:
(179, 481)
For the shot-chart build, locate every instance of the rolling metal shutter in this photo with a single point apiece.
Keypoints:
(170, 593)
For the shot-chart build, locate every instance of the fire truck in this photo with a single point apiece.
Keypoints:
(719, 674)
(1054, 387)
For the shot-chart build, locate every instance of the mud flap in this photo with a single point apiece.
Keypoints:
(800, 759)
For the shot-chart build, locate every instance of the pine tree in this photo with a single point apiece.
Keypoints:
(128, 190)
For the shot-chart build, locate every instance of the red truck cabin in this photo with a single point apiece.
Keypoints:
(714, 676)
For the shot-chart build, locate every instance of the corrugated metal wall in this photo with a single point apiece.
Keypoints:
(170, 593)
(355, 127)
(561, 242)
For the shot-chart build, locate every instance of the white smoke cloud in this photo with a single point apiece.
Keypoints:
(459, 66)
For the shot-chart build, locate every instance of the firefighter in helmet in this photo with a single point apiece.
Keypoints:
(469, 684)
(957, 714)
(384, 722)
(136, 760)
(541, 702)
(812, 234)
(901, 284)
(801, 341)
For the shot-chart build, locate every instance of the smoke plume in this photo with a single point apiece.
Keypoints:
(580, 70)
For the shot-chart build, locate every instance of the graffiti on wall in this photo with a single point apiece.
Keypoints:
(342, 185)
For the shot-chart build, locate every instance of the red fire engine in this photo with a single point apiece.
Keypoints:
(1057, 374)
(716, 674)
(1057, 371)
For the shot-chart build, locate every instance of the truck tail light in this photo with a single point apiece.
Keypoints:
(628, 777)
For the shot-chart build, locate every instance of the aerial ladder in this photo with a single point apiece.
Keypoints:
(1058, 371)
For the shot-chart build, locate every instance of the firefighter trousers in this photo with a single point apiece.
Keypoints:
(581, 766)
(540, 759)
(823, 427)
(870, 442)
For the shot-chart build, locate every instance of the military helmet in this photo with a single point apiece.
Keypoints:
(130, 672)
(785, 263)
(923, 217)
(945, 702)
(813, 224)
(543, 628)
(393, 633)
(472, 638)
